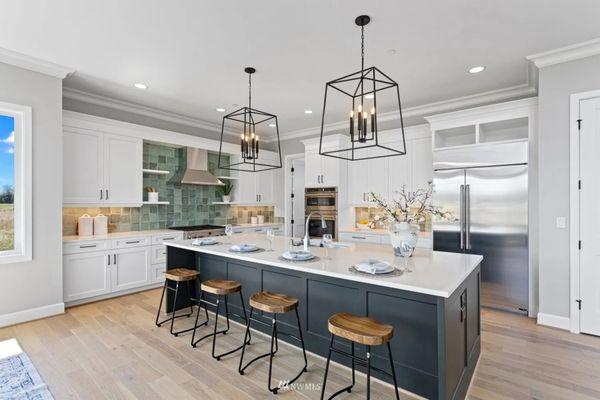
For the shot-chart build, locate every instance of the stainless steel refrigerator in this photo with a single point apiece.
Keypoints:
(486, 193)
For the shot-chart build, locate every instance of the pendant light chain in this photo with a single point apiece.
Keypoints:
(362, 48)
(250, 91)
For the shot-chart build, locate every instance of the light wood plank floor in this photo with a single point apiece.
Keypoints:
(113, 350)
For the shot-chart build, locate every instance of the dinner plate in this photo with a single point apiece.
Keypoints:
(298, 255)
(374, 267)
(204, 241)
(244, 248)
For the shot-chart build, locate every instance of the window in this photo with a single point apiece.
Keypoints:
(15, 183)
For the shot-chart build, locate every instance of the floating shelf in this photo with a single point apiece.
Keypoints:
(231, 178)
(225, 202)
(155, 172)
(156, 202)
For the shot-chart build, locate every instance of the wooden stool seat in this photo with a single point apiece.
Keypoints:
(361, 330)
(181, 274)
(220, 286)
(273, 302)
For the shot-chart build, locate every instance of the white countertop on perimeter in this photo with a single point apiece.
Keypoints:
(117, 235)
(378, 231)
(433, 272)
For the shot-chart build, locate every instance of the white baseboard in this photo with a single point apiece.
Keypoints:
(554, 321)
(31, 314)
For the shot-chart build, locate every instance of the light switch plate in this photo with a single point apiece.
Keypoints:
(561, 222)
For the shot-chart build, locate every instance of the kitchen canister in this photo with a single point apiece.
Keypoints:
(100, 224)
(261, 219)
(85, 225)
(254, 220)
(153, 197)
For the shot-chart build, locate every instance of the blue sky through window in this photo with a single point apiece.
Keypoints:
(7, 145)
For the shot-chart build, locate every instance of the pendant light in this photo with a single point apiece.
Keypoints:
(362, 94)
(248, 123)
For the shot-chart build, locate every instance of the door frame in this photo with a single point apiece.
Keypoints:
(287, 182)
(574, 212)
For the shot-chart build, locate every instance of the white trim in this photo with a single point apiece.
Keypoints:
(565, 54)
(287, 165)
(151, 112)
(31, 314)
(574, 265)
(554, 321)
(34, 64)
(493, 96)
(23, 183)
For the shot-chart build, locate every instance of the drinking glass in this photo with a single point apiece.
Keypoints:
(406, 249)
(327, 239)
(270, 238)
(229, 232)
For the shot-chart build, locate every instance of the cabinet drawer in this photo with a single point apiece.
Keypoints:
(85, 247)
(125, 243)
(159, 254)
(159, 239)
(257, 230)
(359, 238)
(157, 273)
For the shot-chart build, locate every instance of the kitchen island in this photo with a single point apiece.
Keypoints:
(434, 308)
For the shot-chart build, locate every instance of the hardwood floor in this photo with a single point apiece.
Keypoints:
(113, 350)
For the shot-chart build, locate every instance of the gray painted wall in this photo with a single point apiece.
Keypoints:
(38, 283)
(556, 84)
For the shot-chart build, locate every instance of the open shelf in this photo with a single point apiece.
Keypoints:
(156, 202)
(498, 131)
(225, 202)
(451, 137)
(155, 172)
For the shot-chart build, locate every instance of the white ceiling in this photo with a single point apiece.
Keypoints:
(191, 53)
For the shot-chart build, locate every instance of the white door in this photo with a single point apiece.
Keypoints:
(312, 171)
(589, 220)
(131, 268)
(122, 169)
(82, 168)
(85, 275)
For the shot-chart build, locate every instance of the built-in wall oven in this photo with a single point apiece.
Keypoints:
(324, 202)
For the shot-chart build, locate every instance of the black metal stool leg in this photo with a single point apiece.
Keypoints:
(353, 369)
(245, 317)
(226, 314)
(271, 354)
(196, 326)
(174, 306)
(368, 372)
(161, 302)
(216, 325)
(327, 367)
(302, 341)
(189, 292)
(393, 370)
(240, 369)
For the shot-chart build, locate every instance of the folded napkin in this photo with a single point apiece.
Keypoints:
(373, 266)
(203, 241)
(298, 255)
(243, 247)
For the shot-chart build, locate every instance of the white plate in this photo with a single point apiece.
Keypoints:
(374, 267)
(298, 255)
(244, 248)
(204, 241)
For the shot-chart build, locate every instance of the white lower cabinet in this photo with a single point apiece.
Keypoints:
(424, 242)
(85, 275)
(132, 268)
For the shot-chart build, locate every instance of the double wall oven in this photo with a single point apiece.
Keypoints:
(323, 201)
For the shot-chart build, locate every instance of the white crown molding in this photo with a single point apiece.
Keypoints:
(151, 112)
(565, 54)
(34, 64)
(474, 100)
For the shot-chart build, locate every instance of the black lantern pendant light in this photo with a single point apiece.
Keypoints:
(248, 122)
(362, 92)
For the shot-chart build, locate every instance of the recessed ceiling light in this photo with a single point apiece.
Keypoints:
(307, 111)
(140, 85)
(392, 52)
(369, 96)
(272, 125)
(221, 109)
(476, 70)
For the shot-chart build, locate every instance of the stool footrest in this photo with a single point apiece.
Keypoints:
(359, 360)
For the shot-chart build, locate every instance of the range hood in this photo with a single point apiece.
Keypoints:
(196, 172)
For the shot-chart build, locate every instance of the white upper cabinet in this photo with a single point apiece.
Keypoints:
(253, 187)
(366, 176)
(83, 167)
(322, 171)
(313, 169)
(101, 169)
(264, 186)
(422, 163)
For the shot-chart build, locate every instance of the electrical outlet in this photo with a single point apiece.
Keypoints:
(561, 222)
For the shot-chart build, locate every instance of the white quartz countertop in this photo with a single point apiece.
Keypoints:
(265, 225)
(377, 231)
(432, 272)
(117, 235)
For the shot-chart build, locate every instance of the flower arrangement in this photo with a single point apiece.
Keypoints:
(410, 206)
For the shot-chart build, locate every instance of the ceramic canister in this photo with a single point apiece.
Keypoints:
(85, 225)
(100, 224)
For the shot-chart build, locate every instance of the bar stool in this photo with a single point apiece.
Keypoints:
(274, 304)
(220, 288)
(177, 275)
(365, 331)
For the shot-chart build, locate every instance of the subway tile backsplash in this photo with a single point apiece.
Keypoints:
(189, 204)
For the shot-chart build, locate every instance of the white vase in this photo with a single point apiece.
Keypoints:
(153, 197)
(403, 236)
(226, 198)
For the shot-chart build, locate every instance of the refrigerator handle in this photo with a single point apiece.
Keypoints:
(462, 217)
(468, 217)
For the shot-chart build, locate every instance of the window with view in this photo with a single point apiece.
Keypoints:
(15, 183)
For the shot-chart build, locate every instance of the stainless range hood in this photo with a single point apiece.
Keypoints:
(196, 172)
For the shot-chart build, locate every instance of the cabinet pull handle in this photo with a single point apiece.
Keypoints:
(101, 195)
(132, 242)
(169, 238)
(109, 259)
(106, 194)
(87, 246)
(114, 258)
(359, 237)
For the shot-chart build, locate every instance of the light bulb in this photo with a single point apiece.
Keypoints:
(351, 113)
(373, 110)
(360, 108)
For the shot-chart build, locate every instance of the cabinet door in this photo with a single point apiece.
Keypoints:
(244, 188)
(122, 169)
(82, 167)
(399, 173)
(132, 268)
(264, 187)
(312, 169)
(85, 275)
(330, 171)
(377, 180)
(421, 158)
(358, 180)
